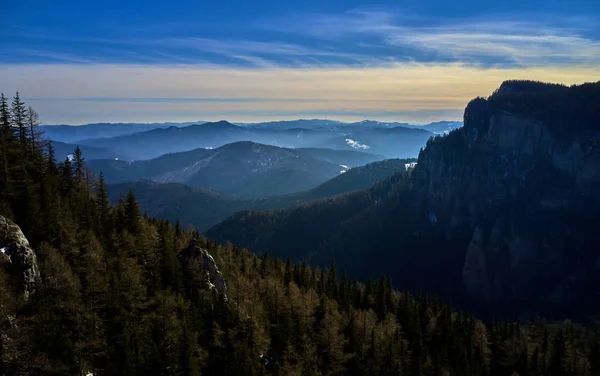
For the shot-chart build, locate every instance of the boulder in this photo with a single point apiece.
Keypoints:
(202, 269)
(17, 257)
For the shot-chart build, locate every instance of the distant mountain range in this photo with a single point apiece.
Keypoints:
(62, 150)
(391, 142)
(204, 208)
(439, 127)
(147, 141)
(74, 133)
(239, 169)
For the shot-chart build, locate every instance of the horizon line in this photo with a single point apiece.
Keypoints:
(199, 122)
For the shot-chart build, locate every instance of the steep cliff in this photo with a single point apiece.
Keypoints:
(501, 213)
(526, 189)
(17, 257)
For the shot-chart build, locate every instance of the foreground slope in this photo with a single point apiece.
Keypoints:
(501, 213)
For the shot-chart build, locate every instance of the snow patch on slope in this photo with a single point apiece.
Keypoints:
(409, 166)
(356, 145)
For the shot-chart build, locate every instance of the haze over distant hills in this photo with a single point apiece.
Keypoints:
(74, 133)
(242, 168)
(228, 158)
(388, 139)
(62, 150)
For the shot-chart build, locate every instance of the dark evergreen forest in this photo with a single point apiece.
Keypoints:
(115, 298)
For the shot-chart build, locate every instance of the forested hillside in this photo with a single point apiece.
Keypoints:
(120, 293)
(204, 208)
(243, 169)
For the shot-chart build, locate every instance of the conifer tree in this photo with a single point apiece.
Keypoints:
(33, 121)
(19, 119)
(5, 147)
(132, 213)
(105, 220)
(78, 164)
(5, 116)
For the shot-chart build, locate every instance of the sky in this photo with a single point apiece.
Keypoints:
(418, 61)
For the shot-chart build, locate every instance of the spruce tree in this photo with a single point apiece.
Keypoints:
(5, 116)
(104, 218)
(5, 148)
(33, 121)
(19, 118)
(78, 164)
(132, 213)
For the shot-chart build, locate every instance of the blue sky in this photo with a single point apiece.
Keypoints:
(419, 61)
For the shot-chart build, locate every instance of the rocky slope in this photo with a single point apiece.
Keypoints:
(501, 213)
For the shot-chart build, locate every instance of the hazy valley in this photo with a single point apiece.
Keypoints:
(193, 222)
(300, 188)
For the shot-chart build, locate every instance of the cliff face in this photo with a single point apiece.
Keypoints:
(527, 195)
(502, 213)
(17, 257)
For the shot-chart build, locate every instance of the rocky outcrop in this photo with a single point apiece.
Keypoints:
(201, 269)
(17, 257)
(527, 190)
(532, 138)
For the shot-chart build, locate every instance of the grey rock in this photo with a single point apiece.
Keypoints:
(202, 268)
(17, 256)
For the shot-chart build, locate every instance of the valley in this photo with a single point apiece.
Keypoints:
(300, 188)
(496, 216)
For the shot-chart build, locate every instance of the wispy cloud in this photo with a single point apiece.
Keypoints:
(365, 63)
(371, 36)
(499, 40)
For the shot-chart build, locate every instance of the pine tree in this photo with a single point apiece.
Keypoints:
(5, 116)
(331, 285)
(33, 121)
(132, 213)
(287, 274)
(78, 164)
(6, 137)
(52, 163)
(19, 117)
(66, 179)
(105, 220)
